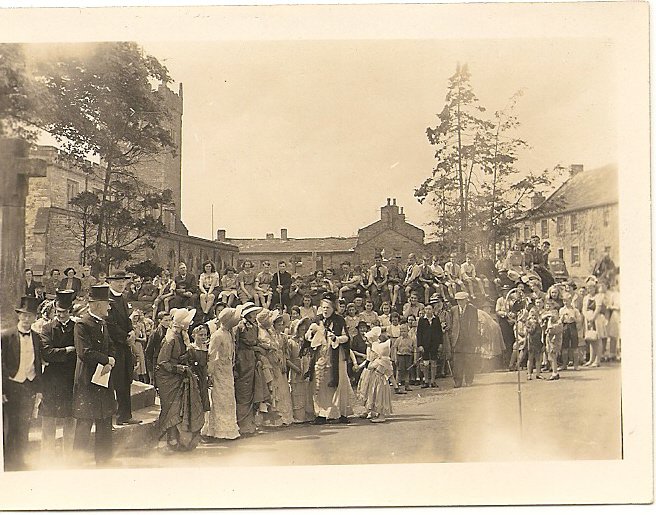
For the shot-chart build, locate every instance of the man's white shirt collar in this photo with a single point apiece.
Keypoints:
(115, 293)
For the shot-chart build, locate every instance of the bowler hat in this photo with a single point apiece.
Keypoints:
(29, 305)
(65, 298)
(99, 292)
(118, 275)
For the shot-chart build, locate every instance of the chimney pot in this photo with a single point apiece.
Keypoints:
(388, 201)
(283, 234)
(394, 202)
(221, 235)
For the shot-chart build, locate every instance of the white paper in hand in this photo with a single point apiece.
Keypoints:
(99, 378)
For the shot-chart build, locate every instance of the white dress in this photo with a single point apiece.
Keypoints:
(222, 419)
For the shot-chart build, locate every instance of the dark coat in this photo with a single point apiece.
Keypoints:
(336, 324)
(59, 374)
(77, 285)
(92, 346)
(464, 331)
(190, 283)
(119, 325)
(10, 344)
(429, 334)
(154, 345)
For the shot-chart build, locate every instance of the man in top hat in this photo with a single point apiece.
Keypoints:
(21, 378)
(58, 353)
(464, 339)
(120, 332)
(93, 403)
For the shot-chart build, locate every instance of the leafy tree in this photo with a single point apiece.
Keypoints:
(476, 188)
(145, 269)
(103, 105)
(459, 142)
(20, 96)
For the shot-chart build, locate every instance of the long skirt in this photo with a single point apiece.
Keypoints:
(331, 402)
(181, 416)
(302, 404)
(379, 394)
(222, 418)
(244, 390)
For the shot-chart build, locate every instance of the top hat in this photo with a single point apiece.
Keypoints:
(99, 292)
(65, 298)
(118, 275)
(28, 305)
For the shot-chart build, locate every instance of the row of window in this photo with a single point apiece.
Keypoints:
(575, 255)
(542, 228)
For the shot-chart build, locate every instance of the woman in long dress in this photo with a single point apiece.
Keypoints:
(280, 369)
(333, 395)
(222, 420)
(245, 376)
(181, 417)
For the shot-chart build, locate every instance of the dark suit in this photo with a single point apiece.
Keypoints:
(429, 336)
(119, 325)
(151, 353)
(464, 339)
(59, 373)
(92, 403)
(188, 284)
(17, 411)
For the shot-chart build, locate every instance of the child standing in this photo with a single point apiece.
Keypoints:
(553, 336)
(378, 395)
(571, 319)
(406, 347)
(535, 346)
(520, 341)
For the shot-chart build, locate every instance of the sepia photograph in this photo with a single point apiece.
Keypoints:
(280, 245)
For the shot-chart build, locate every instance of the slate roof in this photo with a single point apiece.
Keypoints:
(294, 245)
(585, 190)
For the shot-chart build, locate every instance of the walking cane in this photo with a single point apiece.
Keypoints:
(448, 363)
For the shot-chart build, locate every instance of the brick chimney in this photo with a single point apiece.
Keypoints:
(269, 236)
(537, 199)
(283, 234)
(574, 169)
(221, 235)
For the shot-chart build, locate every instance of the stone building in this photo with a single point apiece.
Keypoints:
(52, 230)
(580, 219)
(392, 235)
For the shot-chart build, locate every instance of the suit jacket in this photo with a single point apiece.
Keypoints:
(190, 283)
(93, 346)
(429, 334)
(464, 331)
(10, 349)
(118, 319)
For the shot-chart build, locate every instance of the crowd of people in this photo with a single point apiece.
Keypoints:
(234, 352)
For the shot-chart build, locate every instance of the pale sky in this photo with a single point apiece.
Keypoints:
(315, 135)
